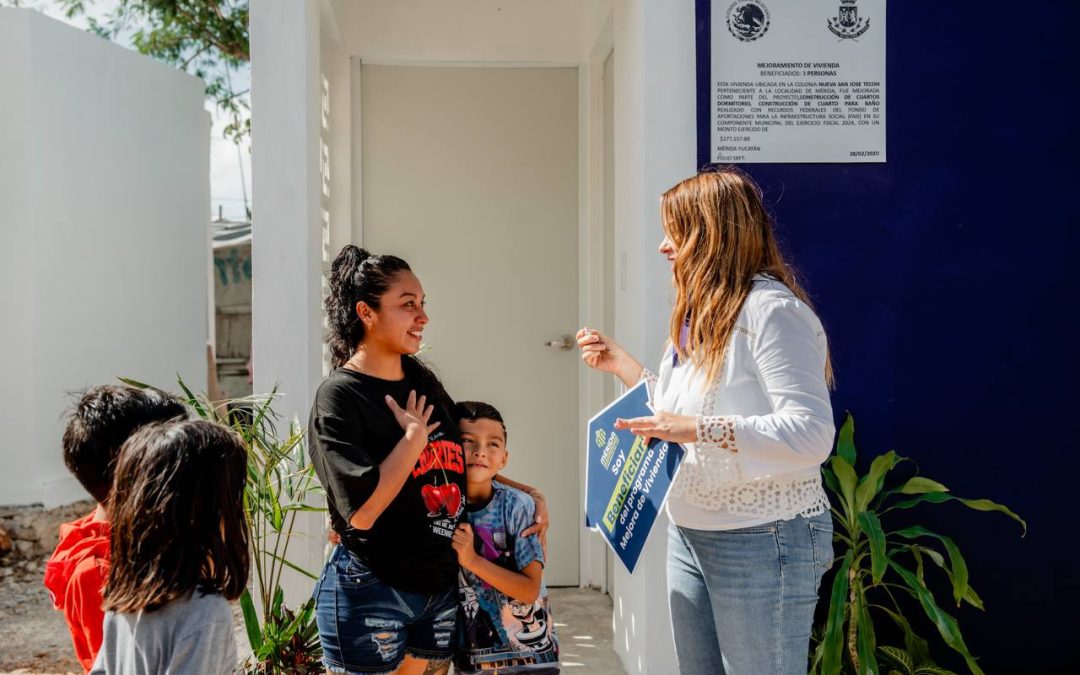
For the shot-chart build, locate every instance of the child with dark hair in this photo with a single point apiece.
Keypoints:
(504, 623)
(180, 551)
(75, 575)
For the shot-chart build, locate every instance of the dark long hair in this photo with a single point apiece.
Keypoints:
(177, 516)
(359, 276)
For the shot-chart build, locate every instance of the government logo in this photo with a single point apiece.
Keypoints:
(847, 25)
(748, 20)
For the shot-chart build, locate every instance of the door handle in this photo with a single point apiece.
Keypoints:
(565, 343)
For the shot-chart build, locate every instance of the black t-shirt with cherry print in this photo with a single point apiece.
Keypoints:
(350, 432)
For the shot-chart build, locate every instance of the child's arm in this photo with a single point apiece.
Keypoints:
(540, 526)
(82, 609)
(527, 489)
(523, 586)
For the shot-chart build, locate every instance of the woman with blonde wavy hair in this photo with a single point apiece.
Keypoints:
(744, 386)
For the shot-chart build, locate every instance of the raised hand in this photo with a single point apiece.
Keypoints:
(602, 353)
(414, 417)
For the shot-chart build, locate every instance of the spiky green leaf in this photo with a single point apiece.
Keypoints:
(831, 660)
(845, 440)
(874, 479)
(919, 485)
(956, 560)
(915, 645)
(134, 383)
(847, 477)
(975, 504)
(946, 625)
(251, 620)
(293, 566)
(865, 640)
(871, 525)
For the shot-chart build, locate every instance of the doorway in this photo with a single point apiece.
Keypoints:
(471, 174)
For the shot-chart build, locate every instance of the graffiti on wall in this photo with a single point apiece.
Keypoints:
(233, 267)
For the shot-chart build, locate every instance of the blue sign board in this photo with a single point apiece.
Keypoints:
(627, 480)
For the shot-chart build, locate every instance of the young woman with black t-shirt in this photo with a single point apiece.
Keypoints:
(385, 445)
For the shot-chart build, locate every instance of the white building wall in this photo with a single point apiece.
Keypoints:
(478, 32)
(105, 223)
(16, 269)
(287, 327)
(654, 148)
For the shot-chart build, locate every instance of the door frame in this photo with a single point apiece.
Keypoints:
(588, 80)
(595, 280)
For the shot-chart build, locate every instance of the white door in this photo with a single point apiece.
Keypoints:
(470, 174)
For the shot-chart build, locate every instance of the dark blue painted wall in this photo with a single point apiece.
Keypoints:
(946, 280)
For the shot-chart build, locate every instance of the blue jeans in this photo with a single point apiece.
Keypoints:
(367, 626)
(742, 601)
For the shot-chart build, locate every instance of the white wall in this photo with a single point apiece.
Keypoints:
(104, 191)
(476, 31)
(16, 268)
(654, 149)
(286, 227)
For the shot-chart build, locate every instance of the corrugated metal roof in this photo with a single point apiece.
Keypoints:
(230, 233)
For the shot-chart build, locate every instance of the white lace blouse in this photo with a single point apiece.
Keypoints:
(764, 423)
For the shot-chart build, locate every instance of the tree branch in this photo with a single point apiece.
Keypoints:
(184, 65)
(202, 28)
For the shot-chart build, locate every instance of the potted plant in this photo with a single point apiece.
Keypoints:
(878, 564)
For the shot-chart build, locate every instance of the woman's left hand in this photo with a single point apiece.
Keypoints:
(542, 520)
(663, 425)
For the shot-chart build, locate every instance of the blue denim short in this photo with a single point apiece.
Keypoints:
(367, 626)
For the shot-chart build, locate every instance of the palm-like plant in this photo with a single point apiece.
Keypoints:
(280, 480)
(878, 564)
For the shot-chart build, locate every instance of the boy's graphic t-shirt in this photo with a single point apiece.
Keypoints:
(496, 632)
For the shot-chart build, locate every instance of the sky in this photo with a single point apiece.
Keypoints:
(230, 170)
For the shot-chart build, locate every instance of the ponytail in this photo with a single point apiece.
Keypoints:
(355, 275)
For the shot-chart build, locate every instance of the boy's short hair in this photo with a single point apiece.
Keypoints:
(99, 424)
(475, 410)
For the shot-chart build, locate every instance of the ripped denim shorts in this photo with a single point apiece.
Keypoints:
(367, 626)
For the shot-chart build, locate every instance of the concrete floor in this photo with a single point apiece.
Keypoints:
(583, 624)
(41, 646)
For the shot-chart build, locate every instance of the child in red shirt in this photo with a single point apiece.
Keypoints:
(76, 573)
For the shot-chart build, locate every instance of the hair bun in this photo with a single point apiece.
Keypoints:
(353, 252)
(348, 260)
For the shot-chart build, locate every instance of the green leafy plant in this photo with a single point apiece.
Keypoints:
(876, 565)
(280, 480)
